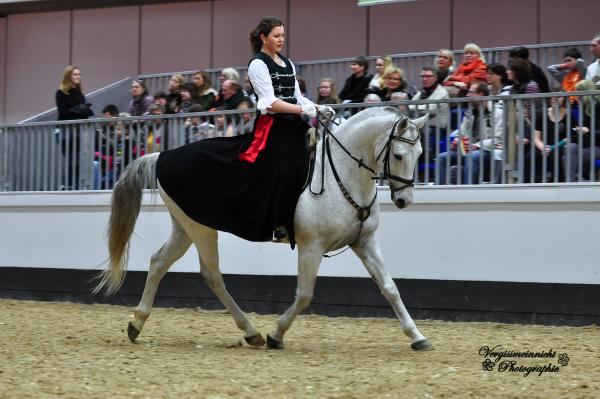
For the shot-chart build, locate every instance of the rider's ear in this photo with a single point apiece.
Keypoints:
(402, 125)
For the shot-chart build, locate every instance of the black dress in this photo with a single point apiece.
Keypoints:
(215, 184)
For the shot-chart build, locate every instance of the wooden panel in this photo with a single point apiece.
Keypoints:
(409, 27)
(106, 45)
(175, 37)
(2, 67)
(489, 23)
(37, 52)
(233, 21)
(326, 29)
(571, 20)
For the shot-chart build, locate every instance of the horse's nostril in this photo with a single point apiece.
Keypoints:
(400, 203)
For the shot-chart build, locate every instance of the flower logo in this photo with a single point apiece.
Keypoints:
(563, 359)
(488, 365)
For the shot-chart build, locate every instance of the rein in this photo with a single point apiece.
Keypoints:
(365, 211)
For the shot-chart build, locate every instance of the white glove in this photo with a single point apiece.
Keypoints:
(308, 110)
(326, 111)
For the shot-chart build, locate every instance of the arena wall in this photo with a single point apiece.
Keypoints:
(474, 253)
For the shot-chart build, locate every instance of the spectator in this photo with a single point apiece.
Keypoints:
(160, 98)
(157, 133)
(479, 136)
(444, 61)
(232, 94)
(70, 100)
(326, 93)
(497, 79)
(381, 65)
(355, 88)
(174, 97)
(372, 98)
(192, 130)
(187, 99)
(141, 100)
(70, 103)
(537, 74)
(593, 70)
(246, 122)
(432, 90)
(248, 89)
(110, 111)
(206, 94)
(547, 145)
(471, 70)
(571, 71)
(519, 73)
(590, 107)
(394, 82)
(226, 74)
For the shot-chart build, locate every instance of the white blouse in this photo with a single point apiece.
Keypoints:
(259, 75)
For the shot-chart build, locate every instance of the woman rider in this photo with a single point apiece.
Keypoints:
(249, 185)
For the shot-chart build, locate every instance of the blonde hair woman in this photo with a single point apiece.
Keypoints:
(382, 64)
(69, 97)
(471, 70)
(444, 62)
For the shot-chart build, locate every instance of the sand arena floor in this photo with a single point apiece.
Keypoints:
(68, 350)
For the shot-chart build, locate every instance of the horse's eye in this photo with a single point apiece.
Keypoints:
(398, 157)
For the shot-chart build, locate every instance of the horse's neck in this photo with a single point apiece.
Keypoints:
(361, 144)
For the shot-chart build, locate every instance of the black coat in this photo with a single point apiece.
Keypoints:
(355, 89)
(72, 106)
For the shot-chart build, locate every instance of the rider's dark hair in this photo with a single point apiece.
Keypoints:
(265, 26)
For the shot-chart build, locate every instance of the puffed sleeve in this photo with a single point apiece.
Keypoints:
(258, 72)
(299, 97)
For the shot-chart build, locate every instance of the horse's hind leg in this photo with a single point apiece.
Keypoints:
(173, 249)
(368, 251)
(309, 260)
(205, 240)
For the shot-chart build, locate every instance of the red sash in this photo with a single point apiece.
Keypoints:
(263, 126)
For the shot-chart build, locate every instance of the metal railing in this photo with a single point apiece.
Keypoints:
(90, 154)
(411, 63)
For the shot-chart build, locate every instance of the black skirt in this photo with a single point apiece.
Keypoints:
(209, 182)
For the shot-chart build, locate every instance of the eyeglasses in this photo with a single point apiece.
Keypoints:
(389, 78)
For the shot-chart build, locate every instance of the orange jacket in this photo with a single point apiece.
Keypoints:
(475, 71)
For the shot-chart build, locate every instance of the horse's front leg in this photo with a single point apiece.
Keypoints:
(206, 243)
(161, 261)
(368, 251)
(309, 260)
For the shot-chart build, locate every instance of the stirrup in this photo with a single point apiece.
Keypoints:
(279, 233)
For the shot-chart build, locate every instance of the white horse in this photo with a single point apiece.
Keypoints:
(345, 213)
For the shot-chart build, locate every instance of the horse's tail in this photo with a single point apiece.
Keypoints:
(125, 207)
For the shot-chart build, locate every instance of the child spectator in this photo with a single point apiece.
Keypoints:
(326, 93)
(571, 71)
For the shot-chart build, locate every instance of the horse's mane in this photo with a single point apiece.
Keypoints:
(365, 115)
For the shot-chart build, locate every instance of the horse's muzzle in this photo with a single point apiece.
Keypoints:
(402, 199)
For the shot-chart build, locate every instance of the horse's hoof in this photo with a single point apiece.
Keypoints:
(422, 345)
(256, 341)
(132, 332)
(272, 343)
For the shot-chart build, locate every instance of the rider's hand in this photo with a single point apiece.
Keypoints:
(308, 110)
(326, 111)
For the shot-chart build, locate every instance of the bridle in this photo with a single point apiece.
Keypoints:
(365, 211)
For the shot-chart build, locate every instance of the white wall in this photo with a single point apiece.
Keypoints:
(543, 233)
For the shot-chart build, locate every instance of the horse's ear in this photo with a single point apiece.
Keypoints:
(420, 122)
(402, 125)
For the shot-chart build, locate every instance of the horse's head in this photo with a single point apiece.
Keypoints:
(400, 155)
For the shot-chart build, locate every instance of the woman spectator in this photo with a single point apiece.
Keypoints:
(394, 82)
(590, 108)
(471, 70)
(444, 62)
(205, 93)
(519, 73)
(70, 103)
(187, 98)
(549, 144)
(326, 93)
(571, 71)
(381, 65)
(141, 100)
(174, 98)
(497, 79)
(357, 84)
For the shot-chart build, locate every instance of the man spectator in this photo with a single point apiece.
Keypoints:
(537, 74)
(110, 111)
(593, 70)
(232, 94)
(355, 88)
(431, 90)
